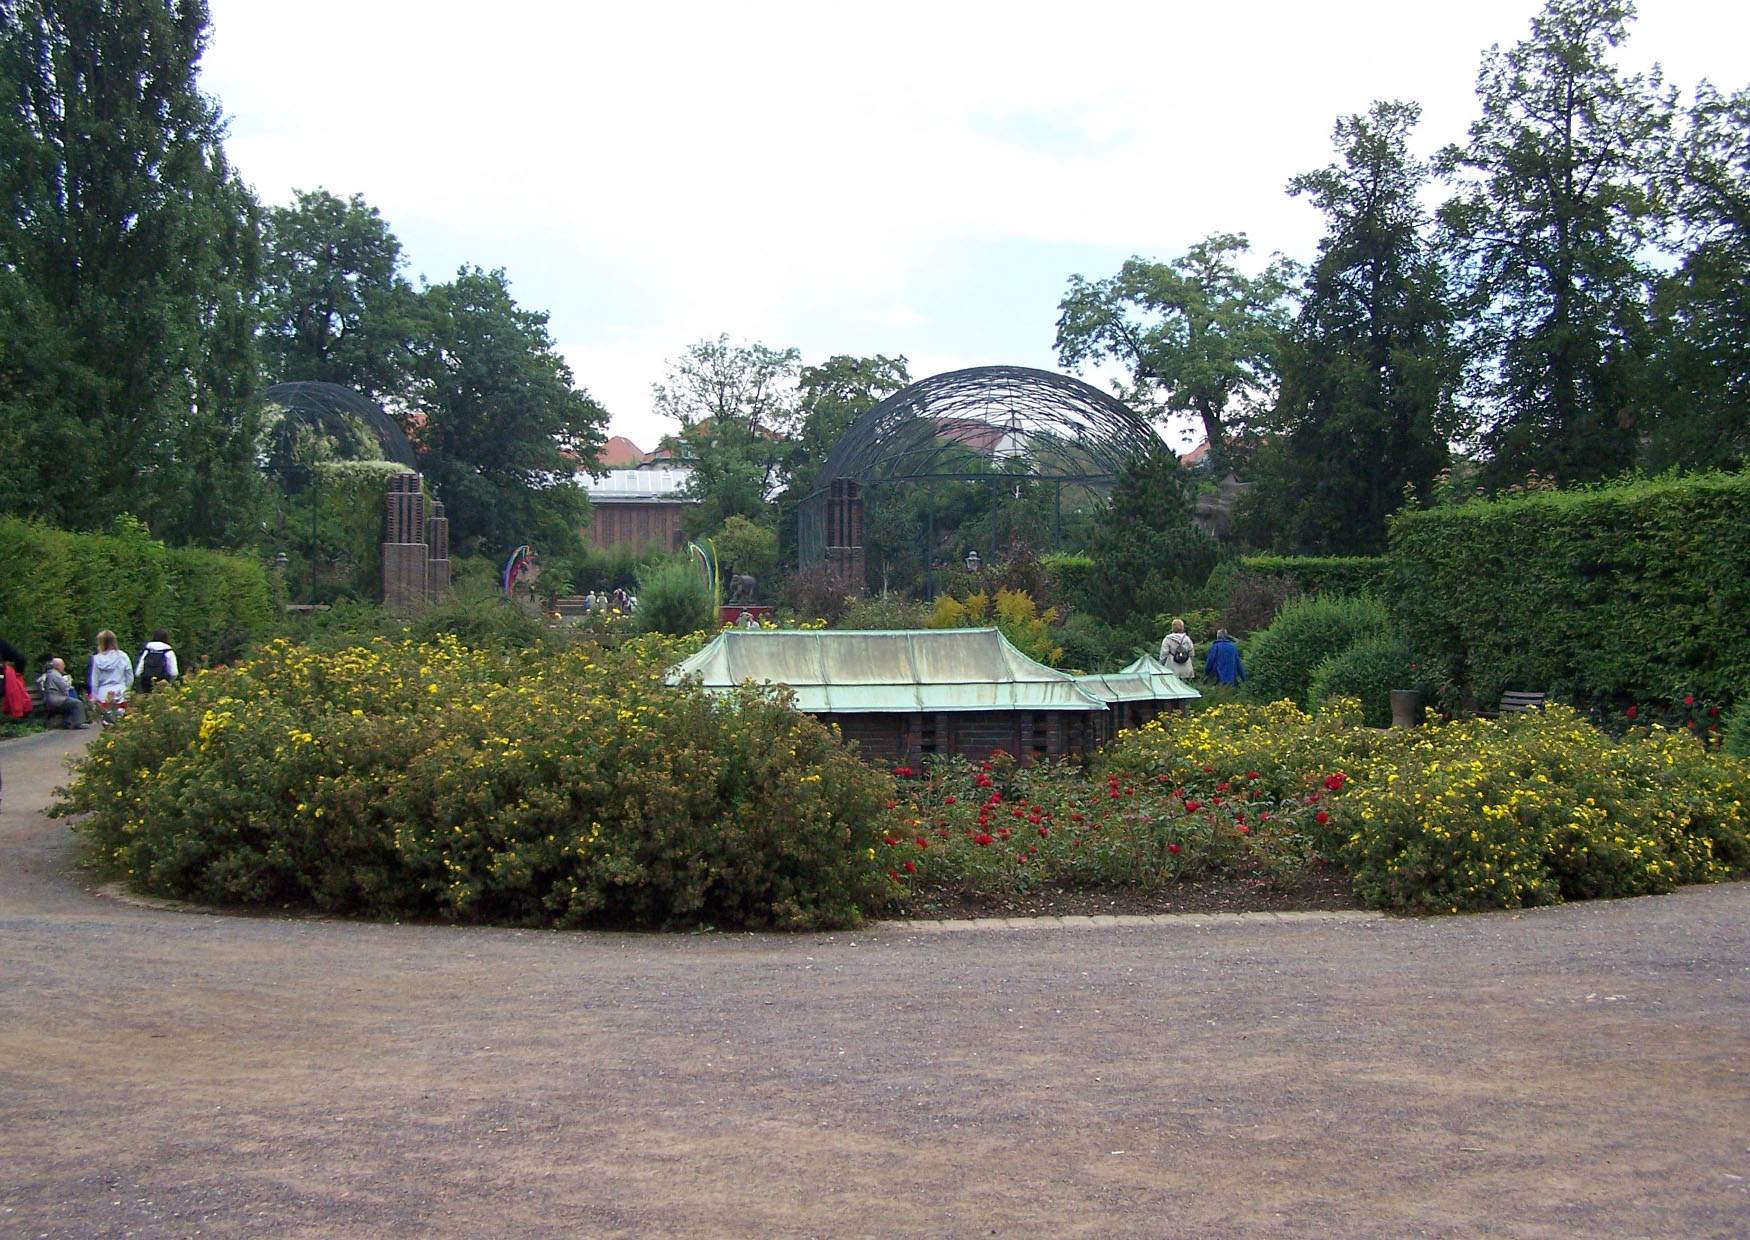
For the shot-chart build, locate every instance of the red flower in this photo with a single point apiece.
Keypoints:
(1632, 710)
(911, 867)
(1209, 770)
(1335, 781)
(922, 842)
(1690, 724)
(1172, 848)
(893, 874)
(1044, 832)
(1312, 798)
(893, 805)
(981, 839)
(947, 800)
(1689, 699)
(889, 840)
(1713, 712)
(904, 772)
(1191, 807)
(1005, 833)
(1252, 775)
(1160, 779)
(1321, 818)
(1244, 829)
(1223, 788)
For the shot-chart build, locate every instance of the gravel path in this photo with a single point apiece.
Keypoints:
(1571, 1072)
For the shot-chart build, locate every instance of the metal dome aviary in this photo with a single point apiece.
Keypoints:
(975, 424)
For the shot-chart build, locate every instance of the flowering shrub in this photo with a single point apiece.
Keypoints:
(1189, 797)
(1475, 814)
(1536, 809)
(399, 779)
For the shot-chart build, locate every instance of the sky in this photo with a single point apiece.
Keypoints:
(901, 178)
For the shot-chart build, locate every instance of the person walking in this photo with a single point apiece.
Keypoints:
(157, 662)
(109, 678)
(58, 695)
(1223, 661)
(1177, 652)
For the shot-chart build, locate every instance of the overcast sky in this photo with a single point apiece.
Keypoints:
(897, 178)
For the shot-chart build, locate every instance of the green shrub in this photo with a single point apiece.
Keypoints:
(1308, 630)
(60, 588)
(1076, 580)
(893, 611)
(1634, 592)
(398, 779)
(1366, 671)
(1323, 574)
(1737, 734)
(673, 599)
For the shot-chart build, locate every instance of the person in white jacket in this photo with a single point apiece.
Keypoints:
(1177, 652)
(109, 677)
(157, 662)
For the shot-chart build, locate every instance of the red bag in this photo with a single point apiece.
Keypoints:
(17, 697)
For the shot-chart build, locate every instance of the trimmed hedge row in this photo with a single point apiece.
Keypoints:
(1323, 574)
(59, 589)
(1637, 591)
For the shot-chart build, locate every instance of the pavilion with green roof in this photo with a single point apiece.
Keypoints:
(905, 694)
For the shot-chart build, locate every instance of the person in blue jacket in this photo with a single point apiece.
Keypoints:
(1223, 660)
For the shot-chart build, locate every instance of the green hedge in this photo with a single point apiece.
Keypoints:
(59, 589)
(1323, 574)
(1637, 591)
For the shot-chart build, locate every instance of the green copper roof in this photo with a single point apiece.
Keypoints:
(886, 671)
(1145, 680)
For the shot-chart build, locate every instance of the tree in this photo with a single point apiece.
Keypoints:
(1148, 547)
(337, 308)
(1547, 236)
(1197, 335)
(1368, 370)
(738, 407)
(130, 253)
(1700, 415)
(745, 548)
(498, 415)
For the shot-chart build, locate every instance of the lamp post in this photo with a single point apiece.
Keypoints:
(973, 562)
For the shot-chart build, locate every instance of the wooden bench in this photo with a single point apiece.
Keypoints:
(1518, 701)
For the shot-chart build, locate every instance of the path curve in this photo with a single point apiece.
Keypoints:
(1575, 1071)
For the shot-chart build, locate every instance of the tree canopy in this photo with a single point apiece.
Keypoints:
(500, 425)
(129, 274)
(1195, 334)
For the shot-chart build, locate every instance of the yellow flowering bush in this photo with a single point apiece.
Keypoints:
(1539, 808)
(407, 779)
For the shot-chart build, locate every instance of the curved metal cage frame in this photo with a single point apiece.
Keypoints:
(330, 407)
(1027, 424)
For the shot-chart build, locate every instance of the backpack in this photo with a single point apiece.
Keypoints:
(155, 666)
(1181, 649)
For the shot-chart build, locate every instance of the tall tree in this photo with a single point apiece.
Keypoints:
(738, 409)
(1547, 234)
(1196, 335)
(1700, 411)
(337, 308)
(500, 421)
(1368, 371)
(130, 253)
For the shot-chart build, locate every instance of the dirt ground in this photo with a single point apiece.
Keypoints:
(1572, 1072)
